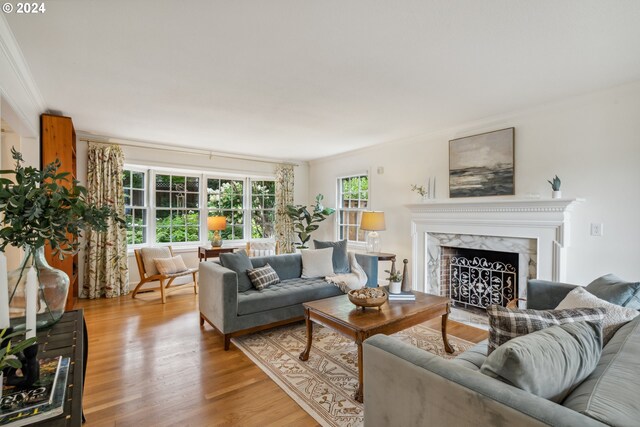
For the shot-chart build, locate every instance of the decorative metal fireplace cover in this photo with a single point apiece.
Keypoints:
(478, 282)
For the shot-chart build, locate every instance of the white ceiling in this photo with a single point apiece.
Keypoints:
(303, 79)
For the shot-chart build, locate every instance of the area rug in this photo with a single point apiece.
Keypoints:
(324, 385)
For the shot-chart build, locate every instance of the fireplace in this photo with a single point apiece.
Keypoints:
(479, 278)
(535, 232)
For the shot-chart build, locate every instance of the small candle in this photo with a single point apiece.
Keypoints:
(31, 295)
(4, 293)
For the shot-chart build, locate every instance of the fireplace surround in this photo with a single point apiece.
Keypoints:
(536, 229)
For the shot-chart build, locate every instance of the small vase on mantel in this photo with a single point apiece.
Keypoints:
(53, 287)
(556, 194)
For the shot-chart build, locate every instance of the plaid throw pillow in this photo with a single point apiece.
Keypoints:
(262, 277)
(505, 323)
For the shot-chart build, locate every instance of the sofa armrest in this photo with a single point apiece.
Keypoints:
(369, 264)
(546, 295)
(407, 386)
(218, 294)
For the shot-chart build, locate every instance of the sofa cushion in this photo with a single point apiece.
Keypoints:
(614, 317)
(506, 323)
(317, 262)
(340, 258)
(240, 263)
(549, 362)
(474, 357)
(288, 266)
(610, 393)
(616, 291)
(283, 294)
(263, 277)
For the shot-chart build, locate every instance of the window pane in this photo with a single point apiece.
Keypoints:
(270, 202)
(127, 196)
(162, 199)
(140, 216)
(163, 182)
(138, 198)
(193, 184)
(163, 234)
(193, 218)
(126, 179)
(193, 200)
(163, 217)
(178, 200)
(140, 235)
(137, 180)
(193, 234)
(178, 183)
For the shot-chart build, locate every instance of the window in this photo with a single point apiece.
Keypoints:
(169, 207)
(135, 206)
(353, 198)
(263, 209)
(177, 202)
(226, 197)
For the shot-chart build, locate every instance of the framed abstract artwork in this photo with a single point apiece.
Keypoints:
(482, 165)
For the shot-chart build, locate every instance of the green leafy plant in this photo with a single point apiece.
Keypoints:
(555, 183)
(394, 276)
(419, 189)
(7, 354)
(305, 222)
(40, 207)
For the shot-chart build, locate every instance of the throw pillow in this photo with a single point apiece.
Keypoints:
(340, 257)
(262, 248)
(240, 263)
(171, 265)
(317, 262)
(508, 323)
(615, 316)
(263, 277)
(548, 363)
(150, 254)
(616, 291)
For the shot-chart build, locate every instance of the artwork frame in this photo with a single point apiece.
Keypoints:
(482, 165)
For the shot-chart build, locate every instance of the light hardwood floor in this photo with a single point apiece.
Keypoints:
(150, 364)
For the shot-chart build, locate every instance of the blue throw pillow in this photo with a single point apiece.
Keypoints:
(240, 263)
(548, 363)
(613, 289)
(340, 258)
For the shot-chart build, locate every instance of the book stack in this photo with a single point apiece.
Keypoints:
(45, 399)
(402, 296)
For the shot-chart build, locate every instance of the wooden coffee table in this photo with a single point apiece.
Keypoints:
(340, 314)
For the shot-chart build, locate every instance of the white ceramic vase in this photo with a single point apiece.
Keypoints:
(395, 287)
(556, 194)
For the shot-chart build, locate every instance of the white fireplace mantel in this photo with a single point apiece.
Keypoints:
(544, 220)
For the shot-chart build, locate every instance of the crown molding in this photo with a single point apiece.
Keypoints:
(13, 54)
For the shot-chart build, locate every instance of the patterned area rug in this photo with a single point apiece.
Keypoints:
(324, 385)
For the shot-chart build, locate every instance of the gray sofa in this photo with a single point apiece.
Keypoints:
(406, 386)
(235, 313)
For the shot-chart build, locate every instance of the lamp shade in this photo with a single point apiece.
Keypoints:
(372, 221)
(217, 223)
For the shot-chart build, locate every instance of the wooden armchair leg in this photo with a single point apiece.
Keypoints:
(162, 295)
(195, 283)
(137, 288)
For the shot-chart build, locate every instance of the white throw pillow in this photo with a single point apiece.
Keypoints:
(317, 262)
(615, 315)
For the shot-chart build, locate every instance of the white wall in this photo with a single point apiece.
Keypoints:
(591, 142)
(168, 159)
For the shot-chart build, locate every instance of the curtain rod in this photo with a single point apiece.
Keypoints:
(193, 152)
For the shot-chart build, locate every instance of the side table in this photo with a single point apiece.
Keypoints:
(205, 253)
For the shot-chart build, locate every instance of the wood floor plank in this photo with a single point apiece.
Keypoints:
(151, 364)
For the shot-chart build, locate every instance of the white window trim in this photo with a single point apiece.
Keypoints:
(150, 195)
(351, 243)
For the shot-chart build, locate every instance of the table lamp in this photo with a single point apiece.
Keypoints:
(372, 221)
(216, 224)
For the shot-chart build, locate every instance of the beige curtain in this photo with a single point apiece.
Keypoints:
(284, 197)
(106, 271)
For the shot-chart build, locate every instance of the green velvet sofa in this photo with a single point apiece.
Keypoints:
(234, 313)
(406, 386)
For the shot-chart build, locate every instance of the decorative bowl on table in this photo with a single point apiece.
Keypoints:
(368, 297)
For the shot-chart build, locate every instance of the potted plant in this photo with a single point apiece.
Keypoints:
(555, 186)
(9, 352)
(305, 222)
(395, 281)
(40, 208)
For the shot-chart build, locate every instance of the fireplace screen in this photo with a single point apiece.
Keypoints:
(480, 281)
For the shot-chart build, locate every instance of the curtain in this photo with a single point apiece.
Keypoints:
(106, 271)
(284, 197)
